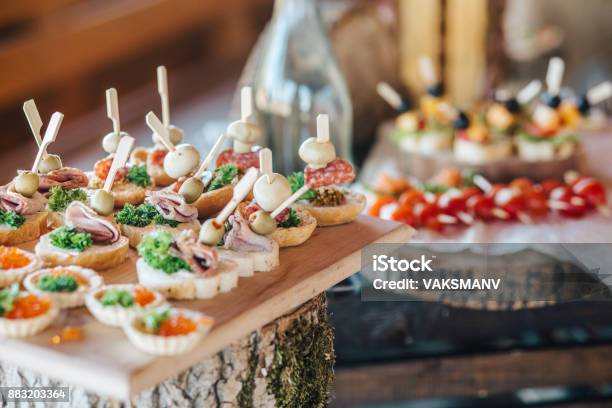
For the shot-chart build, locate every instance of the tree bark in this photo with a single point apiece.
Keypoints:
(287, 363)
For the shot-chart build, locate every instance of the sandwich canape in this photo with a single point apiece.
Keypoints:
(114, 304)
(154, 157)
(182, 268)
(167, 331)
(475, 143)
(208, 191)
(88, 239)
(22, 207)
(507, 113)
(131, 182)
(162, 210)
(572, 112)
(270, 213)
(236, 241)
(326, 202)
(66, 286)
(15, 264)
(24, 314)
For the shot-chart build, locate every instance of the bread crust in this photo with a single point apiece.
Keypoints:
(124, 193)
(341, 214)
(96, 257)
(135, 234)
(294, 236)
(34, 226)
(157, 173)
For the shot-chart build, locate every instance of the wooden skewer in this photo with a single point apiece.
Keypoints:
(322, 128)
(162, 89)
(240, 192)
(525, 95)
(500, 213)
(265, 164)
(428, 73)
(465, 218)
(246, 103)
(290, 200)
(446, 219)
(389, 95)
(554, 75)
(112, 109)
(482, 183)
(604, 210)
(158, 127)
(119, 160)
(599, 93)
(209, 157)
(34, 120)
(50, 135)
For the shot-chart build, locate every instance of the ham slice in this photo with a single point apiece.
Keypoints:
(66, 177)
(10, 200)
(242, 238)
(85, 219)
(202, 259)
(172, 206)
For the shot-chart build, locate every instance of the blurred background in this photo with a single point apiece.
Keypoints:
(66, 53)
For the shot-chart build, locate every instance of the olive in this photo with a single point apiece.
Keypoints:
(181, 161)
(50, 163)
(211, 233)
(404, 106)
(111, 141)
(512, 105)
(103, 202)
(262, 223)
(26, 183)
(191, 189)
(462, 121)
(551, 100)
(583, 104)
(436, 90)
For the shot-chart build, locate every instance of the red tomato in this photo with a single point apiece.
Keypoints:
(427, 216)
(411, 198)
(549, 185)
(522, 184)
(591, 190)
(380, 202)
(404, 214)
(536, 203)
(566, 203)
(481, 207)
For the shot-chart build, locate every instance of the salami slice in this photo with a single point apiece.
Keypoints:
(243, 161)
(338, 171)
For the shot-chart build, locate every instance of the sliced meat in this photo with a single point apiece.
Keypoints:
(336, 172)
(243, 161)
(172, 206)
(66, 177)
(242, 238)
(10, 200)
(85, 219)
(202, 259)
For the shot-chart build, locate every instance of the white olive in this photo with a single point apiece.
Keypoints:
(111, 141)
(317, 154)
(103, 202)
(50, 163)
(182, 161)
(191, 189)
(211, 233)
(262, 223)
(270, 195)
(26, 183)
(175, 135)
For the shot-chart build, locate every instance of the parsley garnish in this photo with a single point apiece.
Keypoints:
(155, 249)
(11, 218)
(222, 176)
(59, 283)
(293, 220)
(154, 319)
(7, 298)
(114, 297)
(142, 216)
(296, 181)
(70, 238)
(59, 198)
(138, 175)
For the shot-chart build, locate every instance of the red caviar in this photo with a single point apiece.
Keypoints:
(27, 307)
(12, 258)
(143, 296)
(177, 326)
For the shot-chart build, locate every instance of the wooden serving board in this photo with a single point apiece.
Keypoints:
(106, 363)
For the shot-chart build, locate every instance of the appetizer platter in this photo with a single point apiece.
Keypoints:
(104, 274)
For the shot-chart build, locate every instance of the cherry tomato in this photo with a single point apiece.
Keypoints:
(536, 203)
(591, 190)
(380, 202)
(510, 200)
(427, 216)
(482, 207)
(404, 214)
(549, 185)
(411, 198)
(564, 201)
(522, 184)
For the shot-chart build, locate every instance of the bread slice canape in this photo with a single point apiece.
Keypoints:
(131, 183)
(22, 218)
(473, 152)
(32, 227)
(23, 314)
(113, 305)
(333, 205)
(168, 331)
(15, 264)
(87, 240)
(61, 187)
(66, 286)
(182, 268)
(163, 210)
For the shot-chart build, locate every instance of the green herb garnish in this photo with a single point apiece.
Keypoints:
(11, 218)
(155, 249)
(222, 176)
(114, 297)
(293, 220)
(154, 319)
(58, 283)
(138, 175)
(435, 188)
(7, 298)
(142, 216)
(59, 198)
(70, 238)
(296, 181)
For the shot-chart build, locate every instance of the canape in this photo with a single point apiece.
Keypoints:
(131, 182)
(168, 331)
(182, 268)
(66, 286)
(24, 314)
(162, 211)
(15, 264)
(62, 187)
(115, 304)
(87, 240)
(22, 216)
(477, 144)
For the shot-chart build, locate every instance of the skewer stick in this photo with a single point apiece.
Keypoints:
(34, 120)
(604, 210)
(465, 217)
(446, 219)
(428, 73)
(524, 218)
(290, 200)
(246, 103)
(599, 93)
(526, 95)
(112, 109)
(554, 75)
(322, 128)
(121, 157)
(389, 95)
(50, 135)
(162, 89)
(158, 127)
(482, 183)
(265, 164)
(240, 192)
(500, 213)
(209, 157)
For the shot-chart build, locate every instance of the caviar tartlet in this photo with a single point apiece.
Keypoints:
(65, 285)
(115, 304)
(24, 314)
(15, 264)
